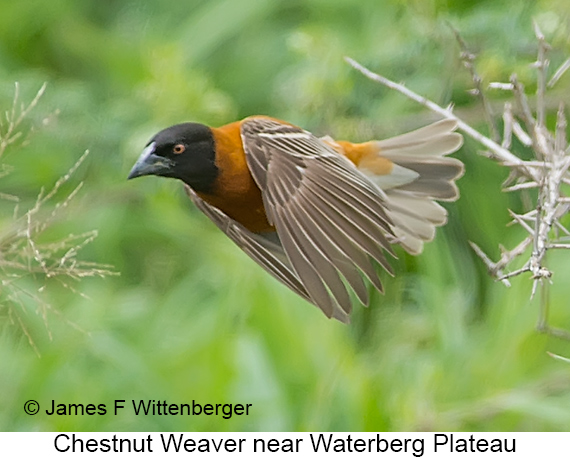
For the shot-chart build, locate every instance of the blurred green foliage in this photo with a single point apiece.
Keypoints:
(190, 316)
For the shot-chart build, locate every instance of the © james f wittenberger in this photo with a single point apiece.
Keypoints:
(143, 407)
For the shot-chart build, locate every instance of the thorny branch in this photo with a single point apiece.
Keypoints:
(468, 61)
(546, 172)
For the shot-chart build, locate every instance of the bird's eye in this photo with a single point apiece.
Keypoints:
(179, 149)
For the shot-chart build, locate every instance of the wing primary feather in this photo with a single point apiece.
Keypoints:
(353, 204)
(278, 195)
(368, 193)
(350, 248)
(324, 268)
(333, 254)
(365, 224)
(305, 270)
(352, 230)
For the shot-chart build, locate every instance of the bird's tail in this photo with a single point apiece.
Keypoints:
(422, 174)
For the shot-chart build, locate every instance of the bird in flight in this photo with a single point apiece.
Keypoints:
(315, 213)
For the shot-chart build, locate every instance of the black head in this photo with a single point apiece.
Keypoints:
(183, 151)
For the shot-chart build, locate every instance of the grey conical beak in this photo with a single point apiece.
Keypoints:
(150, 164)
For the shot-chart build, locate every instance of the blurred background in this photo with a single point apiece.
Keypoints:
(189, 316)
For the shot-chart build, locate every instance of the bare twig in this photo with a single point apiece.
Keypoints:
(542, 65)
(496, 150)
(494, 269)
(559, 73)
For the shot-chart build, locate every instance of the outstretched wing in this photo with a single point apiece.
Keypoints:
(266, 250)
(330, 219)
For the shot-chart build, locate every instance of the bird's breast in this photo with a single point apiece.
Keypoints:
(235, 192)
